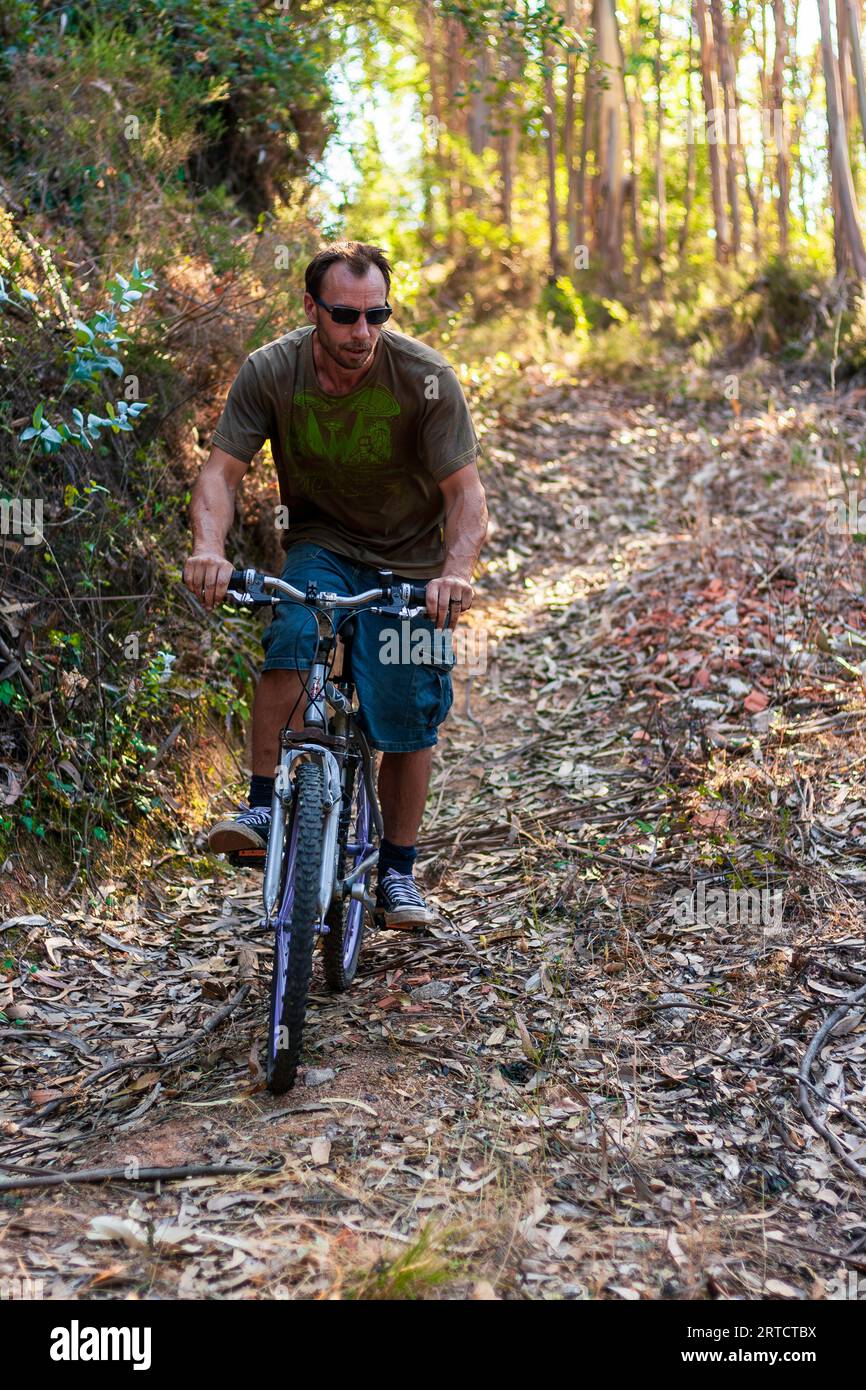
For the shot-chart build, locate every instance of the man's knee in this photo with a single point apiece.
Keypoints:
(278, 695)
(276, 680)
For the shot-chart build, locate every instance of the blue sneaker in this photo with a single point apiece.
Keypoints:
(398, 902)
(247, 831)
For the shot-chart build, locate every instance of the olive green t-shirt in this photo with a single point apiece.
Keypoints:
(358, 474)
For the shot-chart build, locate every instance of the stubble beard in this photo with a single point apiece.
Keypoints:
(349, 361)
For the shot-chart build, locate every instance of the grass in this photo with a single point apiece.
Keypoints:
(415, 1272)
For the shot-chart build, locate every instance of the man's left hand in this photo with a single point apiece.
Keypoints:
(449, 591)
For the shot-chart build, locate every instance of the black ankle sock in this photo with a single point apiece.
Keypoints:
(261, 790)
(399, 857)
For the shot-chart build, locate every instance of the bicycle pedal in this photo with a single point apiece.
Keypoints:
(247, 858)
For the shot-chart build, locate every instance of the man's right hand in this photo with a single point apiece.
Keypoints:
(207, 575)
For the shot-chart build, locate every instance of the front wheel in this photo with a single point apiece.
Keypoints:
(341, 946)
(295, 928)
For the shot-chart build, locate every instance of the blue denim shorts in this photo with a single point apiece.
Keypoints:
(402, 702)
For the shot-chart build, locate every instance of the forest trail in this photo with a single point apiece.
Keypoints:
(573, 1087)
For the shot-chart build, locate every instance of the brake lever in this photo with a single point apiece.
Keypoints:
(257, 597)
(396, 610)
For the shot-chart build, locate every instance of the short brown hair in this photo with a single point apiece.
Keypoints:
(357, 255)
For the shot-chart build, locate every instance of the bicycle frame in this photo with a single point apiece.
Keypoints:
(327, 746)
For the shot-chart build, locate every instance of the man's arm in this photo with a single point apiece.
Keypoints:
(212, 510)
(465, 531)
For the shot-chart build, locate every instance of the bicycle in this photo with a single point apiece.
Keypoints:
(325, 816)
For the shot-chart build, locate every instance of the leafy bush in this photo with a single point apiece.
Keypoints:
(780, 310)
(560, 300)
(94, 610)
(621, 352)
(91, 121)
(92, 353)
(789, 293)
(135, 108)
(226, 92)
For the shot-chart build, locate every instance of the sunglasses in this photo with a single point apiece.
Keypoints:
(341, 313)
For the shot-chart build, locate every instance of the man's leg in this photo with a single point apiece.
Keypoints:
(277, 693)
(403, 782)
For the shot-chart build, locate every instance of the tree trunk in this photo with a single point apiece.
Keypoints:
(550, 125)
(760, 48)
(507, 142)
(804, 104)
(840, 168)
(661, 201)
(453, 190)
(689, 191)
(783, 170)
(461, 116)
(568, 140)
(713, 107)
(433, 157)
(634, 188)
(857, 57)
(506, 110)
(732, 136)
(478, 109)
(752, 192)
(583, 218)
(611, 102)
(843, 40)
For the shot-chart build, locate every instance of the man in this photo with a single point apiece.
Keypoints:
(376, 458)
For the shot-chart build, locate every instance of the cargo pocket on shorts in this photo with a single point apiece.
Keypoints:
(435, 696)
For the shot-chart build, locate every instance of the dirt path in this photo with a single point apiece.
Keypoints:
(577, 1087)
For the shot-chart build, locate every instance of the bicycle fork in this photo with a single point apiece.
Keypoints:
(332, 797)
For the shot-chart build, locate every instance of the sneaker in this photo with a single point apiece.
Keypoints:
(247, 831)
(398, 902)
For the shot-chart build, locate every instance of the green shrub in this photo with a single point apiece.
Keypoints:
(560, 300)
(98, 688)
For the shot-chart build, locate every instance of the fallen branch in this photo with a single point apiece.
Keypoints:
(189, 1170)
(806, 1082)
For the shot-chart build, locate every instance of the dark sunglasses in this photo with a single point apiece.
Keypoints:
(340, 313)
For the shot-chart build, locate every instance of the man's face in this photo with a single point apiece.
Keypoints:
(349, 344)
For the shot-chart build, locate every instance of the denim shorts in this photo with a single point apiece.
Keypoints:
(402, 702)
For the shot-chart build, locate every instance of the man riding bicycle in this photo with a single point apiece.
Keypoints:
(376, 459)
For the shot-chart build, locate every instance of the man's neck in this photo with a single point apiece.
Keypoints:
(333, 378)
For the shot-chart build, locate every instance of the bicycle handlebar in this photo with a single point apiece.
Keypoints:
(244, 582)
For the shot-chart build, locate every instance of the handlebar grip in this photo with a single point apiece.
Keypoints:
(238, 581)
(418, 594)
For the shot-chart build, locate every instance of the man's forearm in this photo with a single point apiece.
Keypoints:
(212, 510)
(464, 533)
